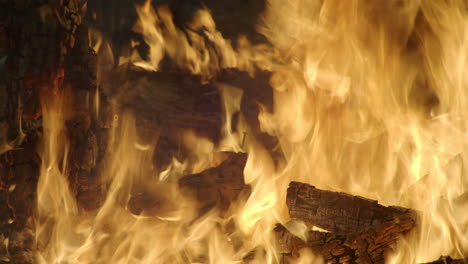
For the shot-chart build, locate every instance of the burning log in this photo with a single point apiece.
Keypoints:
(168, 103)
(361, 230)
(339, 213)
(218, 186)
(86, 131)
(35, 38)
(449, 260)
(169, 100)
(331, 246)
(182, 99)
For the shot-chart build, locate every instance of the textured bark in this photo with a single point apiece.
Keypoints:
(84, 127)
(361, 230)
(161, 99)
(449, 260)
(368, 247)
(35, 37)
(339, 213)
(166, 104)
(218, 186)
(331, 247)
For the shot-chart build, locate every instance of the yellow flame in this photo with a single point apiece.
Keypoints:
(355, 108)
(370, 98)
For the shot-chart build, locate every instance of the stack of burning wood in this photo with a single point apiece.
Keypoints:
(45, 48)
(359, 230)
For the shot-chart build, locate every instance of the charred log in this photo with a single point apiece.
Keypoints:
(449, 260)
(166, 104)
(35, 37)
(330, 246)
(361, 230)
(84, 128)
(339, 213)
(367, 247)
(218, 186)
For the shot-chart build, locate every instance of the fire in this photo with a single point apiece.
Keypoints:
(369, 99)
(376, 95)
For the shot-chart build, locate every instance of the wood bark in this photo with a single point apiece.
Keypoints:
(218, 186)
(166, 104)
(35, 37)
(361, 230)
(449, 260)
(85, 129)
(339, 213)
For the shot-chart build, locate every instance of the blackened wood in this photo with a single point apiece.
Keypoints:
(449, 260)
(35, 37)
(361, 230)
(168, 103)
(84, 129)
(368, 247)
(165, 99)
(218, 186)
(337, 212)
(329, 246)
(179, 98)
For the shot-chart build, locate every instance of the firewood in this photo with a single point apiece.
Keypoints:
(85, 132)
(218, 186)
(179, 99)
(168, 103)
(339, 213)
(330, 246)
(34, 44)
(172, 97)
(361, 230)
(448, 260)
(367, 247)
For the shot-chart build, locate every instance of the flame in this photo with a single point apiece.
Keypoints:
(371, 102)
(200, 49)
(369, 99)
(57, 209)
